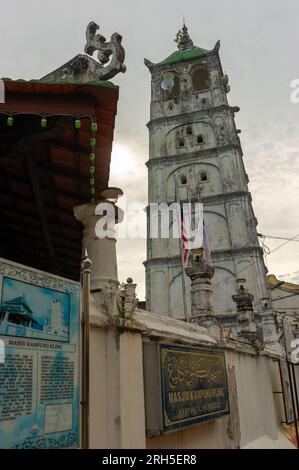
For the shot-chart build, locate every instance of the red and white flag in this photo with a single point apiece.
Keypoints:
(188, 243)
(185, 240)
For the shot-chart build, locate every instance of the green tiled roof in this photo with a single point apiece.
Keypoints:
(178, 56)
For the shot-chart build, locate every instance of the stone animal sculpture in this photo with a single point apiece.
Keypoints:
(97, 42)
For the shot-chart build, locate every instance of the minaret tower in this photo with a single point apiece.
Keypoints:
(57, 317)
(193, 140)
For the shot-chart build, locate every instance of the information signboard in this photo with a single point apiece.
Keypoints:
(39, 376)
(183, 386)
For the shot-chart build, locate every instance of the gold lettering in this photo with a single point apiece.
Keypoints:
(186, 396)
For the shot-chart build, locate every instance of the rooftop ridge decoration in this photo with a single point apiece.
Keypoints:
(183, 39)
(97, 42)
(186, 51)
(83, 68)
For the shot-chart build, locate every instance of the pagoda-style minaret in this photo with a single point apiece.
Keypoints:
(57, 318)
(194, 142)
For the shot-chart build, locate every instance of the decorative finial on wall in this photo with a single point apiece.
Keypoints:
(83, 68)
(97, 42)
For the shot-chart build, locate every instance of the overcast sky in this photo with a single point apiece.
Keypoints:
(259, 51)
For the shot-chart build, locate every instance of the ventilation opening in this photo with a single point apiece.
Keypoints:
(203, 176)
(189, 130)
(200, 78)
(183, 179)
(181, 143)
(200, 139)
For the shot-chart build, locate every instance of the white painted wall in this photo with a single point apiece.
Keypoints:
(117, 418)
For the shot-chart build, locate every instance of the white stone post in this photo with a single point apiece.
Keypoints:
(104, 351)
(270, 336)
(130, 300)
(246, 325)
(201, 275)
(101, 251)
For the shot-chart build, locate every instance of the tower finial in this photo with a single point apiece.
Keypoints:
(183, 39)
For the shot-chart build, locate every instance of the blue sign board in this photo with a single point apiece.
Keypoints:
(39, 376)
(194, 385)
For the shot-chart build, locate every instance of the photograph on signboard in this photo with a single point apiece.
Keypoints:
(34, 311)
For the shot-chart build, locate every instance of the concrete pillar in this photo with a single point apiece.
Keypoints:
(246, 325)
(270, 335)
(117, 413)
(104, 389)
(130, 300)
(101, 251)
(201, 275)
(131, 388)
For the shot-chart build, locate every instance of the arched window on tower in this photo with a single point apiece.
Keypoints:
(200, 78)
(181, 142)
(183, 179)
(203, 176)
(183, 188)
(175, 90)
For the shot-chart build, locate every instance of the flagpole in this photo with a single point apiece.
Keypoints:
(85, 282)
(182, 258)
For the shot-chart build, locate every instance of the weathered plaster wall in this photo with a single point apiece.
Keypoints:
(132, 394)
(104, 389)
(255, 413)
(212, 435)
(256, 404)
(117, 418)
(286, 302)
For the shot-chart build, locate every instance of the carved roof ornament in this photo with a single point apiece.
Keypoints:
(186, 51)
(97, 42)
(83, 68)
(183, 39)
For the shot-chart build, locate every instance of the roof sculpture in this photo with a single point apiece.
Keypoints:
(186, 50)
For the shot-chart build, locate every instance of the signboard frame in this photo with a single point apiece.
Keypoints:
(157, 409)
(40, 325)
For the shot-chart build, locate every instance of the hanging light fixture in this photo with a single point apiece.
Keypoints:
(43, 122)
(77, 123)
(10, 121)
(94, 126)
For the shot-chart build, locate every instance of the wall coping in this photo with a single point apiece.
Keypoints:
(163, 328)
